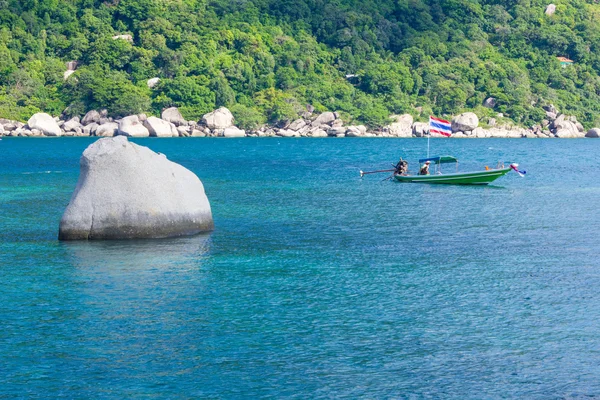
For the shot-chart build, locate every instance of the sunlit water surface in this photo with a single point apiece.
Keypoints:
(315, 283)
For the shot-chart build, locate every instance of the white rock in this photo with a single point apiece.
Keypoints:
(218, 119)
(402, 127)
(197, 133)
(297, 124)
(318, 132)
(335, 131)
(324, 119)
(126, 191)
(67, 74)
(129, 38)
(90, 116)
(420, 129)
(233, 132)
(71, 124)
(107, 129)
(353, 131)
(90, 129)
(44, 123)
(465, 122)
(551, 9)
(159, 127)
(132, 127)
(287, 133)
(183, 131)
(567, 133)
(152, 82)
(173, 115)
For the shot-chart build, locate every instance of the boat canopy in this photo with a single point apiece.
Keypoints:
(440, 160)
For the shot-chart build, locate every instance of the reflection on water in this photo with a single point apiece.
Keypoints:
(140, 256)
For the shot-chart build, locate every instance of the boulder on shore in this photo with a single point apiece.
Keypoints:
(107, 129)
(131, 126)
(127, 191)
(160, 128)
(44, 123)
(465, 122)
(233, 132)
(91, 116)
(324, 119)
(173, 116)
(402, 125)
(219, 119)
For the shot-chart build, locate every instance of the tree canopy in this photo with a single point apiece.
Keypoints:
(268, 59)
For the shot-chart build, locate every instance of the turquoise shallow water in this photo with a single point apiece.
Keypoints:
(315, 283)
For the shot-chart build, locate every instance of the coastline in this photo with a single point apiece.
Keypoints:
(220, 123)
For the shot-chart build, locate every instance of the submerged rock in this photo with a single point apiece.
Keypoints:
(127, 191)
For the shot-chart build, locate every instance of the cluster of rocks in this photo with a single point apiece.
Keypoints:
(327, 124)
(220, 123)
(97, 123)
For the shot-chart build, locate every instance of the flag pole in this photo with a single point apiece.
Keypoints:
(428, 136)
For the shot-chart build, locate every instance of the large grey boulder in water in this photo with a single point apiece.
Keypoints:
(127, 191)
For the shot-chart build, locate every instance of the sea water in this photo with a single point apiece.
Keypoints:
(315, 283)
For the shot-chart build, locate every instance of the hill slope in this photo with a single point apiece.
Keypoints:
(268, 59)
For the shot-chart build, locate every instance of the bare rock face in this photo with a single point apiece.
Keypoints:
(219, 119)
(126, 191)
(44, 123)
(465, 122)
(173, 116)
(550, 10)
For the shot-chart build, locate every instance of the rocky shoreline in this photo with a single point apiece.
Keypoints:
(220, 123)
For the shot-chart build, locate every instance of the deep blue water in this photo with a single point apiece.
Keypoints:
(315, 283)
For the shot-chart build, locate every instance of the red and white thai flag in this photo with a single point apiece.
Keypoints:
(441, 126)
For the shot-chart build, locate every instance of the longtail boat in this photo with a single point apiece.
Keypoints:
(454, 178)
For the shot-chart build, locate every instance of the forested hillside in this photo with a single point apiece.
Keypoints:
(267, 60)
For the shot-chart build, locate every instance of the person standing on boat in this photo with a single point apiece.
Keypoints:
(425, 168)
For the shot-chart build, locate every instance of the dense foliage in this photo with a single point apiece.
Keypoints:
(268, 59)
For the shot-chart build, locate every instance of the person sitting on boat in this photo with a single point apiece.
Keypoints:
(402, 167)
(425, 168)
